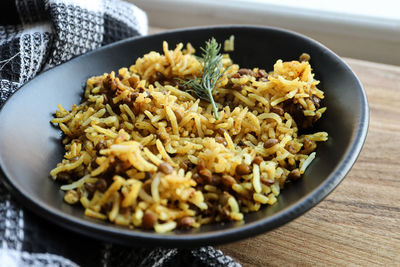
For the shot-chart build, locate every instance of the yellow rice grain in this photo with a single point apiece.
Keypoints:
(165, 227)
(95, 214)
(260, 198)
(256, 178)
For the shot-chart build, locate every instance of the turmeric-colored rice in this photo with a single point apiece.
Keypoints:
(142, 151)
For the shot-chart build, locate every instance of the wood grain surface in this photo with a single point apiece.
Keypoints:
(359, 223)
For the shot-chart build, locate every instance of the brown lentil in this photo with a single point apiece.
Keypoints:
(149, 220)
(201, 164)
(221, 140)
(221, 131)
(216, 179)
(270, 142)
(101, 145)
(291, 148)
(105, 99)
(257, 160)
(101, 185)
(262, 73)
(110, 83)
(267, 181)
(123, 210)
(147, 186)
(74, 159)
(246, 72)
(278, 110)
(186, 222)
(206, 174)
(228, 180)
(237, 87)
(197, 178)
(294, 174)
(166, 168)
(242, 169)
(135, 95)
(106, 207)
(63, 176)
(93, 164)
(236, 75)
(80, 172)
(183, 166)
(90, 188)
(159, 76)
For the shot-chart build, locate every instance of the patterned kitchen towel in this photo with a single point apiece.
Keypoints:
(36, 35)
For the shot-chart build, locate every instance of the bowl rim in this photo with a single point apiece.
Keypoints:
(126, 235)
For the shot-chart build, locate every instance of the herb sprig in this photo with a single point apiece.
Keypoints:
(210, 74)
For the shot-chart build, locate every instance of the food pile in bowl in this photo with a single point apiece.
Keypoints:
(177, 141)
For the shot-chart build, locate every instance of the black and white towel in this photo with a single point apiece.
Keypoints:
(36, 35)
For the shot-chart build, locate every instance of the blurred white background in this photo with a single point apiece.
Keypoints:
(368, 30)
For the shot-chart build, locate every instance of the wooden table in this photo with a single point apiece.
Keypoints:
(359, 223)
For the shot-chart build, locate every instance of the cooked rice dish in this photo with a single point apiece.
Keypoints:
(143, 151)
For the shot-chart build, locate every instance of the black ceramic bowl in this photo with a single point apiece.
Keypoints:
(30, 147)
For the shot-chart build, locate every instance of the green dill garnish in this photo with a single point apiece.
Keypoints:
(210, 75)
